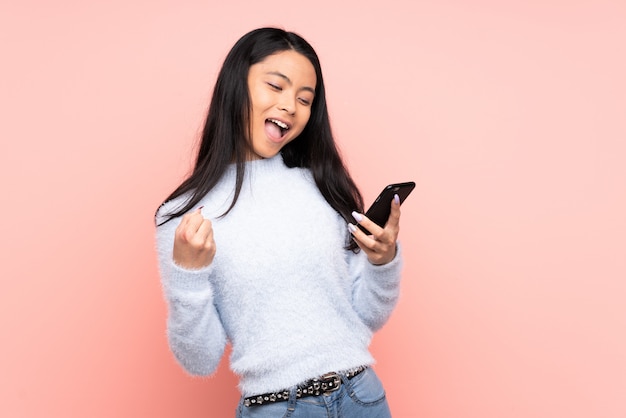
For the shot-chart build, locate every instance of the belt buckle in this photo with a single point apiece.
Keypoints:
(330, 382)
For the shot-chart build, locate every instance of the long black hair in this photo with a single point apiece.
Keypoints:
(224, 138)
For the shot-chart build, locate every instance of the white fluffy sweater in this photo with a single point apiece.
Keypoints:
(282, 289)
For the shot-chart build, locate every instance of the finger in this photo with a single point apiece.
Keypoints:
(189, 225)
(204, 234)
(183, 222)
(378, 237)
(394, 216)
(358, 242)
(381, 240)
(182, 227)
(195, 220)
(378, 252)
(367, 223)
(364, 241)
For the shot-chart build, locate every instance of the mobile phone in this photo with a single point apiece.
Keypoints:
(381, 208)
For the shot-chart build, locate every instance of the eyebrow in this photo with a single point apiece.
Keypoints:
(288, 80)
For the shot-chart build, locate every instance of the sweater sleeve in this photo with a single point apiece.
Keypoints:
(194, 329)
(375, 289)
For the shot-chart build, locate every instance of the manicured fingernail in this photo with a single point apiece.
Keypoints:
(200, 208)
(351, 228)
(396, 199)
(357, 216)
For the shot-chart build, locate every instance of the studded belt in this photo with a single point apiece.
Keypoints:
(324, 384)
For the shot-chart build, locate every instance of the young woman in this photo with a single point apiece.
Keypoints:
(258, 248)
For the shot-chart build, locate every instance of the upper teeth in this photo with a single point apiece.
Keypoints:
(279, 123)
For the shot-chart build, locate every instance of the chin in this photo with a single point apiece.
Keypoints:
(259, 155)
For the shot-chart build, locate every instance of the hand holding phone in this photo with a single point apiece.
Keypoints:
(381, 208)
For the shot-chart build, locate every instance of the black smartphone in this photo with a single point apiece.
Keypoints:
(381, 208)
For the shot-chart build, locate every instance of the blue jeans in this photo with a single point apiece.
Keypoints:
(362, 396)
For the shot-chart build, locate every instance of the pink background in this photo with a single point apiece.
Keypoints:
(509, 116)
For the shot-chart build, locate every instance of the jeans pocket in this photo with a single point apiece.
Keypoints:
(366, 388)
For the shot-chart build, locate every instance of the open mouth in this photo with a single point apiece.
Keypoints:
(275, 128)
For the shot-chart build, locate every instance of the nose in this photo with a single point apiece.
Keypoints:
(287, 104)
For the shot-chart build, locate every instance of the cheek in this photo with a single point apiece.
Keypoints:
(259, 100)
(306, 117)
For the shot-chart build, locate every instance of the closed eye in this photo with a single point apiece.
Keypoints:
(305, 101)
(275, 87)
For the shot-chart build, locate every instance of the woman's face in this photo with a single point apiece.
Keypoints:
(282, 89)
